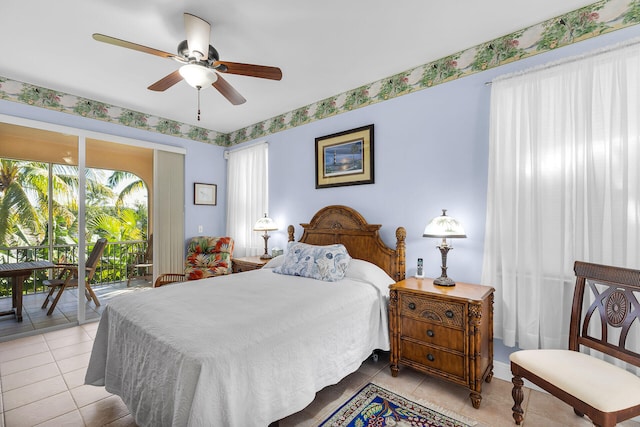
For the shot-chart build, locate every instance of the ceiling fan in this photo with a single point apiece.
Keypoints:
(200, 61)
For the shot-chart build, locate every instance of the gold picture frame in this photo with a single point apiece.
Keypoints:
(205, 194)
(345, 158)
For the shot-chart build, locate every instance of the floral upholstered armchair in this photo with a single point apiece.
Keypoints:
(206, 257)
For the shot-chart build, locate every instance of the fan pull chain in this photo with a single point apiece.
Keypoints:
(198, 87)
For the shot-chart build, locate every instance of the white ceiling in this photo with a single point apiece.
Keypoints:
(323, 47)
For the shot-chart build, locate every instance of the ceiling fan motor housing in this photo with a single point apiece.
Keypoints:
(183, 50)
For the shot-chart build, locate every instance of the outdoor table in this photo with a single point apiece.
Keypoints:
(19, 271)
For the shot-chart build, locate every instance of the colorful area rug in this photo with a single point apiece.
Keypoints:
(376, 406)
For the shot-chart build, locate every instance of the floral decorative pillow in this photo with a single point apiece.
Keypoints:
(327, 263)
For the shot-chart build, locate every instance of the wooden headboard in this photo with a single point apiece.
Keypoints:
(342, 224)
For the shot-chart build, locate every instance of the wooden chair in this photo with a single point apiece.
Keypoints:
(68, 278)
(604, 311)
(165, 279)
(144, 262)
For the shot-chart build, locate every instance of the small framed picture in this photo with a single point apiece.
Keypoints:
(204, 194)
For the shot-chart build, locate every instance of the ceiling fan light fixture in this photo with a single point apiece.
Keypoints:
(198, 76)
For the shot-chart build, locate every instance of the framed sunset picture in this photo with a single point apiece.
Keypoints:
(345, 158)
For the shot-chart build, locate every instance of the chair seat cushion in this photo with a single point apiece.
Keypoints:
(53, 282)
(600, 384)
(142, 265)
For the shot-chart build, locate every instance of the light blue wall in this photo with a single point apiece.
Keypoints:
(431, 152)
(203, 162)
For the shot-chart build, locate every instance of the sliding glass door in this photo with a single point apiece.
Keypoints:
(54, 183)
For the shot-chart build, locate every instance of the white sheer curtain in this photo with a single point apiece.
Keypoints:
(247, 197)
(563, 186)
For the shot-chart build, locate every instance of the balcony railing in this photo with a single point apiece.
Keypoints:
(113, 265)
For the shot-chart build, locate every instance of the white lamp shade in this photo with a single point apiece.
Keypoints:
(198, 76)
(444, 226)
(265, 224)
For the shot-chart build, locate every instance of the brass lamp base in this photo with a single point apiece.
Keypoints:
(266, 251)
(443, 280)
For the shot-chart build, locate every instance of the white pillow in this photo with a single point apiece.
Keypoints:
(363, 270)
(274, 262)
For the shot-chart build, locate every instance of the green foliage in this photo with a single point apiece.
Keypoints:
(20, 220)
(39, 97)
(441, 70)
(133, 118)
(24, 205)
(169, 127)
(571, 26)
(633, 14)
(94, 109)
(300, 116)
(357, 97)
(277, 124)
(223, 140)
(257, 131)
(498, 51)
(374, 408)
(326, 108)
(240, 136)
(198, 134)
(394, 86)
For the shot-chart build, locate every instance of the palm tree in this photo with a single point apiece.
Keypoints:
(24, 201)
(135, 184)
(24, 206)
(19, 219)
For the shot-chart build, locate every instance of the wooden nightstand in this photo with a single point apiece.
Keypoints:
(238, 265)
(443, 331)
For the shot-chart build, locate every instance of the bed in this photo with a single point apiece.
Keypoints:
(251, 348)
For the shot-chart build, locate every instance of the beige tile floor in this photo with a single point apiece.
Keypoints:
(35, 318)
(41, 379)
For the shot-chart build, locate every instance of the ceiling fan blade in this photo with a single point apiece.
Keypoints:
(198, 31)
(166, 82)
(261, 71)
(228, 91)
(134, 46)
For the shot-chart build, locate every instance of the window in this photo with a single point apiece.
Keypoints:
(248, 197)
(563, 186)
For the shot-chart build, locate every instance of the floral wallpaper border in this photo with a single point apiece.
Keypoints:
(590, 21)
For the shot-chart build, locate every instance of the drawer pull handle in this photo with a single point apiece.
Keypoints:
(449, 314)
(412, 306)
(430, 357)
(430, 333)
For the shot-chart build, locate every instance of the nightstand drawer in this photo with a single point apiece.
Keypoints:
(431, 333)
(435, 310)
(432, 358)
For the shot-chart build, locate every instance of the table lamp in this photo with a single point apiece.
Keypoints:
(265, 224)
(444, 226)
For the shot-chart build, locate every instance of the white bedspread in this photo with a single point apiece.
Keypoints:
(240, 350)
